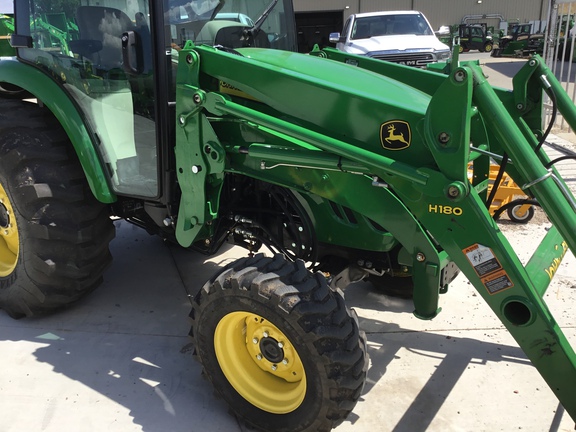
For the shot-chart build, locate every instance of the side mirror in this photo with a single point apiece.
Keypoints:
(335, 38)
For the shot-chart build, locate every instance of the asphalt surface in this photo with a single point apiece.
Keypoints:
(120, 360)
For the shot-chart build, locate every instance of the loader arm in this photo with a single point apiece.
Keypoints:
(418, 190)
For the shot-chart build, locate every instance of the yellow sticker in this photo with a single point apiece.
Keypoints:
(231, 90)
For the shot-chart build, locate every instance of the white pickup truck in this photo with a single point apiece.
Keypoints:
(404, 37)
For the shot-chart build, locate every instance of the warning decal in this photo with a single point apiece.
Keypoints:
(488, 268)
(497, 282)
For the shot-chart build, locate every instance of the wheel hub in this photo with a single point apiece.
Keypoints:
(260, 362)
(4, 216)
(9, 243)
(271, 350)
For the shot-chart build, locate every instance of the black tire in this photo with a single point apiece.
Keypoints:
(515, 216)
(242, 314)
(393, 286)
(54, 233)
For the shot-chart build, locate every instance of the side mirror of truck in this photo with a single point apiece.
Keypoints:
(336, 38)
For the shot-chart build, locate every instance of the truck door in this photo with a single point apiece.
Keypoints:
(102, 57)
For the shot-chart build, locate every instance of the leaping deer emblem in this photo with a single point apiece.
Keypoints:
(393, 137)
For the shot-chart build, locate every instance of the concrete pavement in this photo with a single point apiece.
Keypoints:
(120, 360)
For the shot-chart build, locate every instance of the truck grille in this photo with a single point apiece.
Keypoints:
(416, 60)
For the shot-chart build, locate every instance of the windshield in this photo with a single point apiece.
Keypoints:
(226, 23)
(390, 25)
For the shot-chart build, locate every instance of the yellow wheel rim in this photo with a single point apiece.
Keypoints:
(260, 362)
(9, 245)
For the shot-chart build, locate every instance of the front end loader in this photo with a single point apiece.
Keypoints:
(199, 122)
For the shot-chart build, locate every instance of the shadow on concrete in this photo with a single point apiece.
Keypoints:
(509, 69)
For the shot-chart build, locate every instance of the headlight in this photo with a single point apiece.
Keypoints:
(443, 55)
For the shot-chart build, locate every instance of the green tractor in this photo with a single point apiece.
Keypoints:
(520, 42)
(200, 123)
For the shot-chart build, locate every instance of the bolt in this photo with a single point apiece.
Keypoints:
(207, 242)
(207, 149)
(420, 257)
(189, 59)
(265, 334)
(255, 340)
(369, 264)
(6, 232)
(196, 169)
(285, 362)
(360, 263)
(182, 120)
(460, 76)
(274, 367)
(300, 229)
(453, 191)
(532, 62)
(259, 356)
(280, 345)
(443, 137)
(167, 222)
(520, 107)
(197, 98)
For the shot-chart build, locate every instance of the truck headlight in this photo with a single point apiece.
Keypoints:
(443, 55)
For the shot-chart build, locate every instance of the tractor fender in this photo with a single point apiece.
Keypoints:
(41, 86)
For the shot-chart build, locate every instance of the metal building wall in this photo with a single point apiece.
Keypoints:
(438, 12)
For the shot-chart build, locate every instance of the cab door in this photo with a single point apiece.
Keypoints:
(102, 57)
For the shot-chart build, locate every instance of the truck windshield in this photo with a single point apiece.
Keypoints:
(390, 25)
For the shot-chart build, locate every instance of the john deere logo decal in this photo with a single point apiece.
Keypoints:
(395, 135)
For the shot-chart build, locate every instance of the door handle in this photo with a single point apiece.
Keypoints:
(130, 57)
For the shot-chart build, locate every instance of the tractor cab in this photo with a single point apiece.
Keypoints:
(117, 63)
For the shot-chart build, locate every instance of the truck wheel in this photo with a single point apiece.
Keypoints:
(279, 345)
(522, 218)
(54, 235)
(488, 46)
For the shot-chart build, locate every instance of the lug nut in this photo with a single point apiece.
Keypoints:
(255, 340)
(274, 367)
(280, 345)
(265, 334)
(284, 362)
(259, 356)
